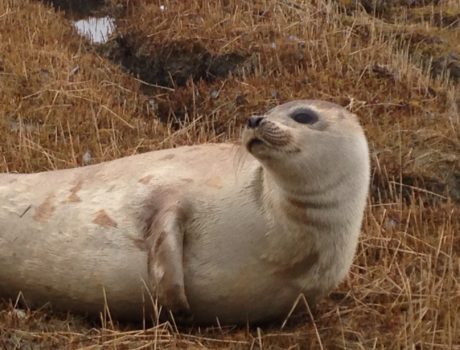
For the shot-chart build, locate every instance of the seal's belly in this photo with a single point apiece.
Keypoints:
(225, 276)
(233, 297)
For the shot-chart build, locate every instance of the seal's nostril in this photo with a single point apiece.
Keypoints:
(254, 121)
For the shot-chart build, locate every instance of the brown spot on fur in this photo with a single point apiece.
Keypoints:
(45, 210)
(102, 219)
(146, 179)
(187, 180)
(73, 197)
(214, 182)
(167, 157)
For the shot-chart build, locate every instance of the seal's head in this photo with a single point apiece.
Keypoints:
(308, 142)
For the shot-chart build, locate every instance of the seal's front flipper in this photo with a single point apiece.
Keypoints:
(165, 260)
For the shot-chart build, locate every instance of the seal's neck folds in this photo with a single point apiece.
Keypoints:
(333, 205)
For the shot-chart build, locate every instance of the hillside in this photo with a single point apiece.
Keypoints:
(190, 72)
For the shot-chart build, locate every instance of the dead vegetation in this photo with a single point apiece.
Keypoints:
(191, 73)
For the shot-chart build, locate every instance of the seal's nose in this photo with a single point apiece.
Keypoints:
(254, 121)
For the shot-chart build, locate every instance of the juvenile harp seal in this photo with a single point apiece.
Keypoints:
(207, 235)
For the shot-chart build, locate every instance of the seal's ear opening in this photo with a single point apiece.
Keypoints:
(304, 116)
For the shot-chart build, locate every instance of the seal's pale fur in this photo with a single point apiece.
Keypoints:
(202, 231)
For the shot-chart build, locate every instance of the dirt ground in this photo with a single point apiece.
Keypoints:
(189, 72)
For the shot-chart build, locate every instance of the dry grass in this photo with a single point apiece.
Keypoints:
(61, 98)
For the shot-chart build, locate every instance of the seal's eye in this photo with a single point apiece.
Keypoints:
(305, 116)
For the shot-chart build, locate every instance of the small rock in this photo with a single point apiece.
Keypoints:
(214, 93)
(300, 42)
(86, 158)
(45, 73)
(390, 223)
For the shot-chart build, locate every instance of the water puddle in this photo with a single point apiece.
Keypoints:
(96, 29)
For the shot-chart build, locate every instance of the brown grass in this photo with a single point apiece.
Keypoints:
(61, 98)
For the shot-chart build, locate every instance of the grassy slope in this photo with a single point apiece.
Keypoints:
(59, 99)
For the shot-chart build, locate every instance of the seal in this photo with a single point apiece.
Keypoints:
(216, 231)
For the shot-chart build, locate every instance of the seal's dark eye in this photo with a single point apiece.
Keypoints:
(305, 116)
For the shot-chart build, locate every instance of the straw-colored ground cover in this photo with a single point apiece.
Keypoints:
(191, 72)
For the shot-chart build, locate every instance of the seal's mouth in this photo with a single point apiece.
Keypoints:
(254, 142)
